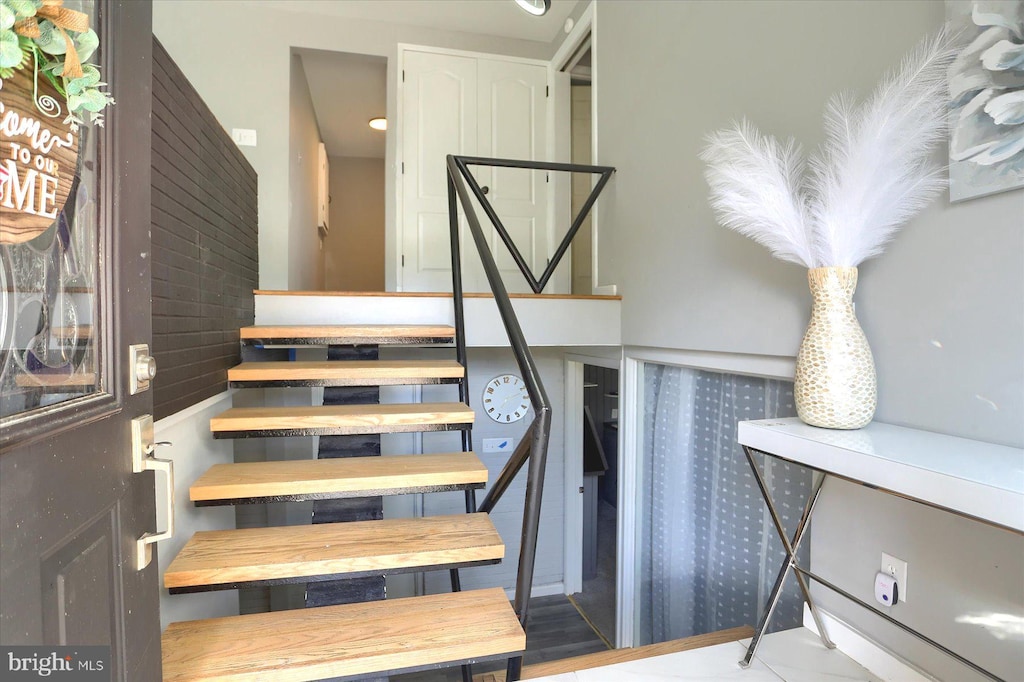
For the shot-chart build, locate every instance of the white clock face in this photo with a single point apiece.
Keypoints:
(506, 399)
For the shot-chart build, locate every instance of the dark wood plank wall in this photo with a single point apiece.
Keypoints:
(204, 235)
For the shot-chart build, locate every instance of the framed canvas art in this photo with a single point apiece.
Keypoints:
(986, 88)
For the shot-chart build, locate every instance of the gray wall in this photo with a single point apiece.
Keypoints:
(485, 364)
(670, 72)
(305, 261)
(193, 453)
(243, 75)
(354, 247)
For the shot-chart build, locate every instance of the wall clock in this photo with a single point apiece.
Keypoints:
(505, 399)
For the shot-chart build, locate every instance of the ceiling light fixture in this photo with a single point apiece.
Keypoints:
(379, 123)
(535, 7)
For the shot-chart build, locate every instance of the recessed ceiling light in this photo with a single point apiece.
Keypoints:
(379, 123)
(535, 7)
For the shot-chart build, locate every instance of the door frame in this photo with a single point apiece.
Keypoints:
(572, 570)
(584, 30)
(631, 443)
(393, 255)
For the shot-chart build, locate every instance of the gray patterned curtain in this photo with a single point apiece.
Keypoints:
(709, 553)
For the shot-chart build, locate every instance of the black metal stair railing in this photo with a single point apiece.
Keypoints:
(534, 445)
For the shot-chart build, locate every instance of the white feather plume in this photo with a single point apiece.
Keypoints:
(754, 183)
(875, 170)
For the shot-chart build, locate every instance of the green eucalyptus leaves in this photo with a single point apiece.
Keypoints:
(57, 41)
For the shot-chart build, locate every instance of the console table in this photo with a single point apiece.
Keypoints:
(975, 480)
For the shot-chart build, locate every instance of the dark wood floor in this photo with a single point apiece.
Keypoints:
(597, 600)
(555, 630)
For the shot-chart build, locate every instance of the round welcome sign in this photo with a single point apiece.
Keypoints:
(38, 156)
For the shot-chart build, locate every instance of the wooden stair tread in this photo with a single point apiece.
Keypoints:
(613, 656)
(244, 555)
(352, 639)
(301, 334)
(323, 477)
(341, 419)
(348, 372)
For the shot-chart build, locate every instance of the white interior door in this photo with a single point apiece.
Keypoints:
(513, 125)
(481, 107)
(438, 118)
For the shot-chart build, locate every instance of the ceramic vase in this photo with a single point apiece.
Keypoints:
(835, 383)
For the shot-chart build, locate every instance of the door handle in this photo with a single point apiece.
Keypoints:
(143, 447)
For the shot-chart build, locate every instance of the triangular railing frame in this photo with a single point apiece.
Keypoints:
(534, 445)
(537, 285)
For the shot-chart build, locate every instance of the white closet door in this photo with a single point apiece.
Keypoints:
(439, 117)
(513, 125)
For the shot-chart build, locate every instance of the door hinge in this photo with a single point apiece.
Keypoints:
(403, 75)
(547, 177)
(581, 489)
(547, 91)
(403, 260)
(403, 168)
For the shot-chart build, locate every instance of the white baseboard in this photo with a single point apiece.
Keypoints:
(541, 590)
(192, 410)
(864, 651)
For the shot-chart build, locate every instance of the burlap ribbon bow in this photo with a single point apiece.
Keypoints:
(65, 20)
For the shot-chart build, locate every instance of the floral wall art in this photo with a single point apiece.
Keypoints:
(986, 88)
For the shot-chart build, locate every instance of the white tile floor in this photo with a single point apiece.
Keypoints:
(793, 656)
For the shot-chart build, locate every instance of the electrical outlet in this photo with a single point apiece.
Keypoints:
(897, 568)
(499, 444)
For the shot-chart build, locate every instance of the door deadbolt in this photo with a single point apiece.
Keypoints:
(142, 367)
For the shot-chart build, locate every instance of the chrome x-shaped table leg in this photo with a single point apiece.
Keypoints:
(818, 478)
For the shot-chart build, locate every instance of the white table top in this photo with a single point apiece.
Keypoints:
(979, 479)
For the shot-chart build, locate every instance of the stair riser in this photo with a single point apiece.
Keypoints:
(351, 591)
(323, 578)
(426, 668)
(351, 341)
(340, 495)
(299, 383)
(341, 431)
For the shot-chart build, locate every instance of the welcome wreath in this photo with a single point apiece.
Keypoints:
(46, 92)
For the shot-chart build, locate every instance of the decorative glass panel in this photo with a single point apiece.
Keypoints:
(49, 326)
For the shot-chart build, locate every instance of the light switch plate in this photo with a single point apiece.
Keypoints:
(244, 137)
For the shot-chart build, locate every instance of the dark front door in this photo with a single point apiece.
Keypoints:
(74, 299)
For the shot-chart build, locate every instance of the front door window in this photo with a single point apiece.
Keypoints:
(49, 323)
